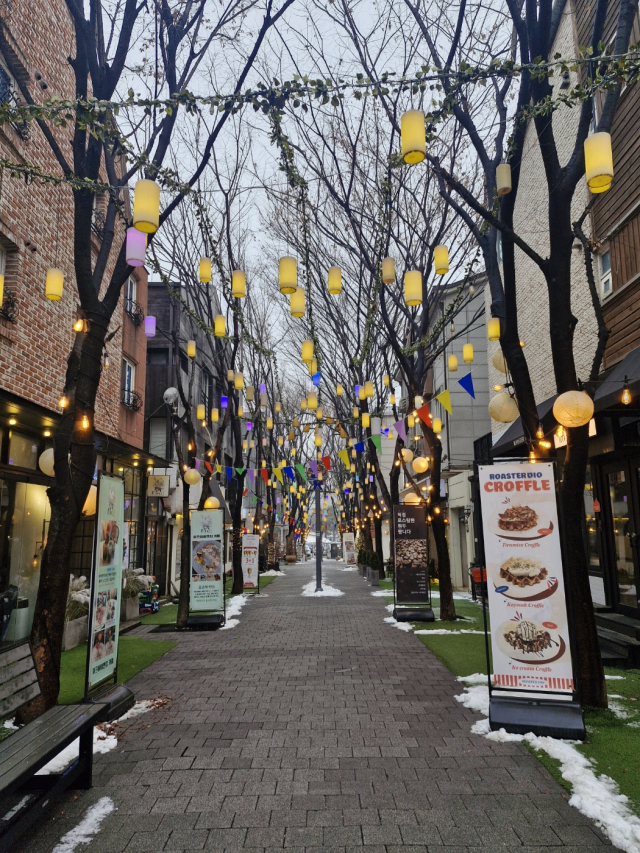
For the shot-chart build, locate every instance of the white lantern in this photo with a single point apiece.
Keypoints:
(411, 499)
(503, 408)
(407, 455)
(499, 362)
(573, 409)
(191, 476)
(420, 464)
(46, 462)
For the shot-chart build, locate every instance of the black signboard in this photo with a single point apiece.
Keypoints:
(412, 567)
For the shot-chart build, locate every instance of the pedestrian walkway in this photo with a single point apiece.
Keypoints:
(314, 725)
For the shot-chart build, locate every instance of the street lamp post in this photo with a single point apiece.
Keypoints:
(318, 540)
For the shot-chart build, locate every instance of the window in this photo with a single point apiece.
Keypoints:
(128, 381)
(23, 450)
(158, 356)
(207, 391)
(605, 273)
(130, 295)
(158, 437)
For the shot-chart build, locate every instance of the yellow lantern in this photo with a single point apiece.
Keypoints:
(200, 412)
(249, 393)
(220, 326)
(269, 423)
(598, 161)
(339, 390)
(362, 392)
(319, 413)
(467, 353)
(368, 389)
(355, 412)
(318, 441)
(420, 464)
(413, 137)
(335, 281)
(503, 179)
(385, 380)
(499, 362)
(214, 416)
(288, 275)
(407, 455)
(191, 349)
(212, 503)
(503, 408)
(240, 411)
(238, 284)
(278, 407)
(146, 206)
(54, 284)
(280, 440)
(453, 363)
(573, 408)
(366, 420)
(388, 270)
(238, 381)
(307, 351)
(411, 421)
(392, 399)
(303, 405)
(204, 271)
(413, 287)
(191, 476)
(441, 259)
(493, 329)
(312, 400)
(296, 303)
(437, 425)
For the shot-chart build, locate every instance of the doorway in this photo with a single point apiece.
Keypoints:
(621, 519)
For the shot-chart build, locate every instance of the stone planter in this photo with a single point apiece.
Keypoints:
(374, 577)
(290, 558)
(129, 610)
(75, 632)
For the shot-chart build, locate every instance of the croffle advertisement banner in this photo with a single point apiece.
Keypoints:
(207, 574)
(106, 580)
(348, 541)
(250, 549)
(525, 582)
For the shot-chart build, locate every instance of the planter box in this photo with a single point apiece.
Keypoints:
(129, 610)
(374, 577)
(75, 632)
(291, 558)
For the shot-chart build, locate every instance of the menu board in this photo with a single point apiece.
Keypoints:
(412, 566)
(207, 572)
(525, 582)
(349, 546)
(250, 549)
(106, 580)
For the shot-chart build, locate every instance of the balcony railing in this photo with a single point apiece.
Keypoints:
(132, 400)
(134, 311)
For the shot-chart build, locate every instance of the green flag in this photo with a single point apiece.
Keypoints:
(301, 470)
(376, 440)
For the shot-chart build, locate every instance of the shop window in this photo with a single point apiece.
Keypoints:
(132, 513)
(23, 451)
(605, 274)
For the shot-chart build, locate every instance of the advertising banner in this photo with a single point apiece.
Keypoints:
(110, 540)
(412, 567)
(250, 548)
(525, 583)
(206, 592)
(349, 545)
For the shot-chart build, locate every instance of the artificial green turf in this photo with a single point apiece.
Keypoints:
(463, 654)
(134, 655)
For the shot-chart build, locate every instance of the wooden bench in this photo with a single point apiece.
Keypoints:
(24, 795)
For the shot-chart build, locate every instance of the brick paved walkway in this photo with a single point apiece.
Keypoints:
(311, 725)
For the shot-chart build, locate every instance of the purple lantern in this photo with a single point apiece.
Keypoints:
(150, 326)
(249, 425)
(263, 389)
(136, 247)
(224, 402)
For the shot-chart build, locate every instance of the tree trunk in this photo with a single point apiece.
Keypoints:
(185, 562)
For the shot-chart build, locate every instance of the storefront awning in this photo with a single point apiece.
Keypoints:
(611, 383)
(513, 437)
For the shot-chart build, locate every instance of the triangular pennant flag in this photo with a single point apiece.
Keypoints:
(326, 461)
(288, 470)
(359, 446)
(424, 414)
(291, 435)
(296, 422)
(209, 468)
(229, 473)
(301, 470)
(314, 467)
(197, 464)
(278, 474)
(344, 457)
(401, 429)
(376, 440)
(252, 477)
(265, 474)
(445, 400)
(218, 469)
(467, 383)
(329, 420)
(305, 428)
(245, 493)
(240, 471)
(343, 432)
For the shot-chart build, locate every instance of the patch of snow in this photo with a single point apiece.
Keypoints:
(597, 797)
(234, 607)
(459, 596)
(619, 710)
(476, 678)
(387, 592)
(445, 631)
(402, 626)
(310, 590)
(390, 607)
(272, 573)
(102, 743)
(9, 724)
(140, 707)
(615, 677)
(87, 828)
(350, 569)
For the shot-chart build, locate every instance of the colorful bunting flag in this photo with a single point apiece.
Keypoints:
(314, 467)
(301, 470)
(467, 383)
(401, 429)
(292, 435)
(218, 469)
(445, 400)
(359, 447)
(288, 470)
(209, 468)
(425, 415)
(376, 440)
(265, 474)
(252, 477)
(326, 461)
(344, 457)
(240, 471)
(296, 423)
(229, 470)
(278, 474)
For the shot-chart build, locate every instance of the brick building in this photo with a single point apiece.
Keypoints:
(36, 334)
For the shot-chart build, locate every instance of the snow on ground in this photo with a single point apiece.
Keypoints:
(87, 828)
(402, 626)
(234, 606)
(445, 631)
(272, 573)
(597, 797)
(310, 590)
(388, 592)
(615, 677)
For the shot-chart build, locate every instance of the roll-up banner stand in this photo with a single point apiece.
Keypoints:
(250, 563)
(349, 546)
(106, 583)
(411, 583)
(532, 685)
(206, 590)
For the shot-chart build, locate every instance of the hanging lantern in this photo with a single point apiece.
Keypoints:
(277, 408)
(303, 405)
(573, 409)
(230, 375)
(191, 476)
(263, 400)
(503, 179)
(45, 462)
(224, 401)
(420, 464)
(598, 162)
(280, 440)
(418, 401)
(238, 381)
(441, 259)
(219, 326)
(269, 423)
(407, 455)
(388, 270)
(149, 326)
(312, 400)
(215, 415)
(135, 248)
(366, 420)
(493, 329)
(54, 284)
(413, 137)
(288, 275)
(204, 270)
(368, 389)
(319, 413)
(307, 351)
(146, 206)
(503, 408)
(200, 411)
(240, 411)
(238, 284)
(453, 363)
(411, 499)
(191, 349)
(339, 390)
(499, 362)
(385, 380)
(626, 397)
(437, 425)
(318, 441)
(212, 503)
(392, 399)
(467, 353)
(335, 281)
(413, 287)
(296, 303)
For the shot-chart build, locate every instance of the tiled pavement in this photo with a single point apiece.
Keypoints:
(314, 725)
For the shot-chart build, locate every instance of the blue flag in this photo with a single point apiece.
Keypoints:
(467, 384)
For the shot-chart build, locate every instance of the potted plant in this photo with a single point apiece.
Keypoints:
(76, 617)
(130, 605)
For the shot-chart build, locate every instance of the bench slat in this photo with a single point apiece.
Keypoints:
(57, 716)
(20, 698)
(9, 671)
(18, 678)
(15, 654)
